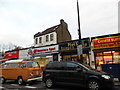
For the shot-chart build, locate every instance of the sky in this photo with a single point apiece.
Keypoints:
(21, 19)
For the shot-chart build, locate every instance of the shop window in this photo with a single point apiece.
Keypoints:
(116, 56)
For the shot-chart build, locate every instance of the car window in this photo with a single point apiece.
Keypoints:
(33, 65)
(3, 66)
(12, 65)
(72, 66)
(61, 66)
(22, 65)
(52, 65)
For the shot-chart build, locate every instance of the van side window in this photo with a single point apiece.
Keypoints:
(72, 66)
(3, 66)
(33, 65)
(22, 65)
(13, 65)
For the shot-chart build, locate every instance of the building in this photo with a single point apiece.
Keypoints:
(69, 51)
(52, 35)
(106, 49)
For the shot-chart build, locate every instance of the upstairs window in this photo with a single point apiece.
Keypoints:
(40, 39)
(47, 38)
(51, 37)
(36, 41)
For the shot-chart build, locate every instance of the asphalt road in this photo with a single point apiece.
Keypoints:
(12, 85)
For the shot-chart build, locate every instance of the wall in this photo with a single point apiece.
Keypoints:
(62, 32)
(44, 40)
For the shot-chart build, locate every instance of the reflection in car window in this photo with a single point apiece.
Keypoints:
(22, 65)
(33, 65)
(72, 66)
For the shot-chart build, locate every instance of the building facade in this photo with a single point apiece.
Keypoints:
(52, 35)
(106, 49)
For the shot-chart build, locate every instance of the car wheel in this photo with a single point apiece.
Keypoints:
(20, 80)
(2, 80)
(49, 83)
(93, 85)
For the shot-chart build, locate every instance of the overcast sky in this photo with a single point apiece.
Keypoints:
(21, 19)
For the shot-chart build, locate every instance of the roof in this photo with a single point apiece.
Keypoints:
(14, 61)
(49, 30)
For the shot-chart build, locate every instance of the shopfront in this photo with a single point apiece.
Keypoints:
(43, 55)
(106, 49)
(68, 50)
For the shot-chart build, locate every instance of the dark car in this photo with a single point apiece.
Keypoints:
(74, 73)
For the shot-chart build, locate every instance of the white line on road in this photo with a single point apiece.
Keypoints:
(30, 87)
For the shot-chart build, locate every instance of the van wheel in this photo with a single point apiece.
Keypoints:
(93, 85)
(2, 80)
(49, 83)
(20, 80)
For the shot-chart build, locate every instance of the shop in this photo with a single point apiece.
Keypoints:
(68, 50)
(43, 55)
(106, 49)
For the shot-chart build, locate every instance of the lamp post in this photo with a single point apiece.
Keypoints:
(79, 32)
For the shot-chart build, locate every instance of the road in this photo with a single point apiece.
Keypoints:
(12, 85)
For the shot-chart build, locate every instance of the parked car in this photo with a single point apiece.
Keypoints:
(74, 73)
(20, 70)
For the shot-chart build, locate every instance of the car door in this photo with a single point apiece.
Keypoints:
(61, 72)
(75, 73)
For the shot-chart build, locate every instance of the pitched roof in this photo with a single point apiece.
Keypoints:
(49, 30)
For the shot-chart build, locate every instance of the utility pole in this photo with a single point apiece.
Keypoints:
(79, 32)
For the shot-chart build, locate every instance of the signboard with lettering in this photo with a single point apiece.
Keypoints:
(12, 54)
(72, 45)
(43, 50)
(107, 42)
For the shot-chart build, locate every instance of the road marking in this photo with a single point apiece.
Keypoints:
(1, 87)
(15, 84)
(30, 87)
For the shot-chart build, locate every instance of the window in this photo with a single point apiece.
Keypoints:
(40, 39)
(47, 38)
(14, 65)
(51, 37)
(22, 65)
(52, 66)
(72, 66)
(33, 65)
(36, 41)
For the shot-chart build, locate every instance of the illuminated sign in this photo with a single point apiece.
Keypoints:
(107, 42)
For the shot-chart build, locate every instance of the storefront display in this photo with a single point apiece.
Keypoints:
(43, 55)
(106, 49)
(68, 50)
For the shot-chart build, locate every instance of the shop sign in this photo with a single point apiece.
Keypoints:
(69, 45)
(74, 44)
(12, 54)
(107, 42)
(43, 50)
